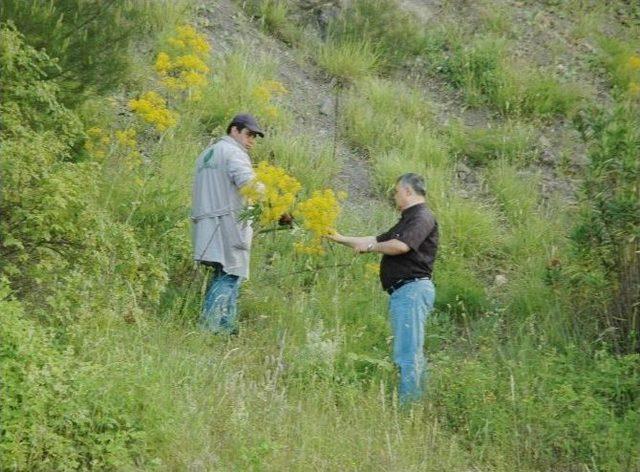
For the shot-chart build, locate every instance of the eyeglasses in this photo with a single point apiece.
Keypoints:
(251, 134)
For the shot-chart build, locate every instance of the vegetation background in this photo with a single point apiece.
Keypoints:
(524, 117)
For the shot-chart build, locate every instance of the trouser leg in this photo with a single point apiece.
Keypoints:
(409, 307)
(219, 309)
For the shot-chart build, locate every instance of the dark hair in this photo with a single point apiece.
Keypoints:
(238, 126)
(415, 181)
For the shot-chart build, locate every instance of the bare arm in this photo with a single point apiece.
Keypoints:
(392, 247)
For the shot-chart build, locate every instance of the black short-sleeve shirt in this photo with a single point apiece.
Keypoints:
(418, 229)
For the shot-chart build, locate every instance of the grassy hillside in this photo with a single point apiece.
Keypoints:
(523, 116)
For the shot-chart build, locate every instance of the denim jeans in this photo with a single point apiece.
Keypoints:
(219, 311)
(409, 307)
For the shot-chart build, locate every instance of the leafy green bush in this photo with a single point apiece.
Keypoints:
(54, 412)
(607, 234)
(57, 243)
(88, 39)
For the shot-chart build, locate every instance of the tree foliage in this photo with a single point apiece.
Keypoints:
(89, 39)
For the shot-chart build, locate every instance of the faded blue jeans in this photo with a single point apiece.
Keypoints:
(219, 311)
(409, 307)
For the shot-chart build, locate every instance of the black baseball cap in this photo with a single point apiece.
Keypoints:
(248, 121)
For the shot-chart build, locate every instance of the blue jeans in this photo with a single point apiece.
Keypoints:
(409, 307)
(219, 311)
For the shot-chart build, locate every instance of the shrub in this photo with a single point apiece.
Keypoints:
(57, 242)
(74, 33)
(607, 234)
(54, 412)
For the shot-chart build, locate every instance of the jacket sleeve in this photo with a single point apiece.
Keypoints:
(239, 169)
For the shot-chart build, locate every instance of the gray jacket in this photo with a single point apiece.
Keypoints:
(218, 236)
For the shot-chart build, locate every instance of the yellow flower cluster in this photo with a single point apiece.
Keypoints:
(151, 107)
(319, 214)
(265, 92)
(127, 140)
(187, 38)
(273, 189)
(98, 143)
(187, 69)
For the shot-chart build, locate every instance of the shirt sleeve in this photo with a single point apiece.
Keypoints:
(415, 231)
(239, 169)
(389, 234)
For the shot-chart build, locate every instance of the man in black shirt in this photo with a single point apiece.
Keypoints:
(408, 253)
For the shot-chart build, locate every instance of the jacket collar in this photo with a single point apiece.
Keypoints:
(230, 140)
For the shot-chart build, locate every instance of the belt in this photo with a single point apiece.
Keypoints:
(396, 285)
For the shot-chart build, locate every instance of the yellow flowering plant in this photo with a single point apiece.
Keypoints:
(633, 72)
(318, 214)
(271, 195)
(264, 93)
(271, 199)
(152, 108)
(127, 142)
(185, 67)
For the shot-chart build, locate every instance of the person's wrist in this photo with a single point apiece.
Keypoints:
(371, 246)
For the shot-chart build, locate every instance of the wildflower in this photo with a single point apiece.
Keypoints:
(126, 138)
(163, 63)
(188, 38)
(190, 62)
(186, 67)
(319, 214)
(265, 92)
(273, 190)
(151, 107)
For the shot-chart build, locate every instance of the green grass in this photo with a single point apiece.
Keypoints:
(511, 141)
(347, 61)
(274, 16)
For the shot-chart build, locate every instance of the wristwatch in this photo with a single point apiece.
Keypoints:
(370, 247)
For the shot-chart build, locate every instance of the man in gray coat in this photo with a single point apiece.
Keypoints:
(220, 240)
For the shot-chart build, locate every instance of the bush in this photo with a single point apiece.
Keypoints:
(54, 413)
(607, 234)
(75, 33)
(58, 244)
